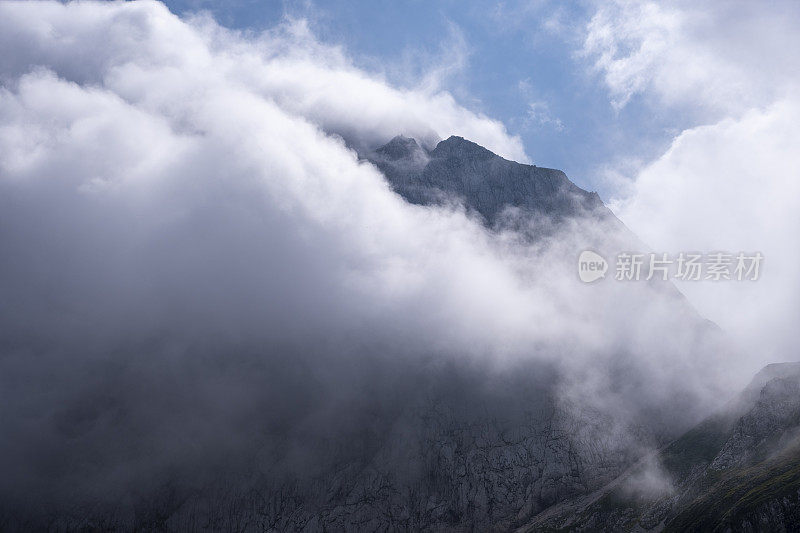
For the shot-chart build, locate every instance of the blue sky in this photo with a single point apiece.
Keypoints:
(517, 62)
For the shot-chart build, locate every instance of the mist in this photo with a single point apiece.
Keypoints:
(199, 274)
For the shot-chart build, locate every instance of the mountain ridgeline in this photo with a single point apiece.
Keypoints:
(502, 192)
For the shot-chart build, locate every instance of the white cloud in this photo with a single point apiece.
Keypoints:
(720, 57)
(539, 114)
(728, 182)
(175, 197)
(732, 186)
(287, 65)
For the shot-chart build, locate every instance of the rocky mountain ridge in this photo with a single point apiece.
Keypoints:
(499, 190)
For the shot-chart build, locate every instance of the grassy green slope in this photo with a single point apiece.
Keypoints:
(747, 495)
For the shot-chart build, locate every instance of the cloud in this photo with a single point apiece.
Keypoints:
(732, 186)
(198, 272)
(719, 58)
(727, 182)
(450, 61)
(539, 115)
(287, 65)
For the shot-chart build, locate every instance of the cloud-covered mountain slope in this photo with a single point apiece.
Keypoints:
(214, 315)
(389, 440)
(739, 470)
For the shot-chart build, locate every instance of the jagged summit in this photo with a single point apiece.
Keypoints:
(482, 180)
(455, 146)
(398, 148)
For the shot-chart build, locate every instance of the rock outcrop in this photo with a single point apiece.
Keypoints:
(504, 193)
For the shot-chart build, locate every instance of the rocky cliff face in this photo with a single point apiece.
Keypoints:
(452, 454)
(459, 459)
(504, 193)
(739, 470)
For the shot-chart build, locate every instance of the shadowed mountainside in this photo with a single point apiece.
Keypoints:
(739, 470)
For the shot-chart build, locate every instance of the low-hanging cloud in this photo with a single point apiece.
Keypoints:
(197, 268)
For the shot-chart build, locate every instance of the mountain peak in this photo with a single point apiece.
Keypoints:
(455, 146)
(398, 148)
(485, 182)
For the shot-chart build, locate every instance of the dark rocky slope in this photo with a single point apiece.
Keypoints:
(739, 470)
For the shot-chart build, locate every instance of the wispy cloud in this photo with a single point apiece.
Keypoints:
(539, 115)
(698, 55)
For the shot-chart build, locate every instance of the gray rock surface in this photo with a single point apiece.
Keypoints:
(737, 471)
(458, 170)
